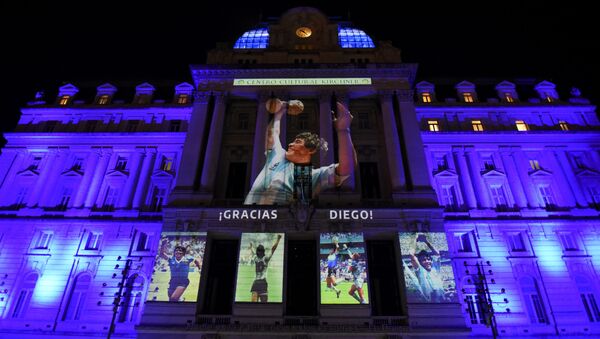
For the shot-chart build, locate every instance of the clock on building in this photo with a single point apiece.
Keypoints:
(303, 32)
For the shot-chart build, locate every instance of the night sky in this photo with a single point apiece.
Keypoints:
(44, 46)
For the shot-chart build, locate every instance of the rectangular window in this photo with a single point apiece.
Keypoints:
(64, 100)
(369, 180)
(50, 125)
(166, 163)
(516, 242)
(477, 125)
(103, 99)
(579, 162)
(548, 97)
(534, 164)
(521, 126)
(77, 163)
(90, 125)
(595, 195)
(563, 125)
(158, 199)
(441, 162)
(110, 198)
(547, 195)
(488, 162)
(591, 306)
(35, 163)
(65, 198)
(449, 198)
(243, 121)
(568, 240)
(121, 164)
(132, 125)
(475, 307)
(175, 126)
(143, 242)
(508, 97)
(540, 310)
(183, 99)
(498, 196)
(142, 99)
(236, 180)
(43, 241)
(464, 242)
(363, 121)
(468, 97)
(426, 97)
(433, 125)
(93, 241)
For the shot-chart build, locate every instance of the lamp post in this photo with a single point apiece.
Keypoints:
(117, 302)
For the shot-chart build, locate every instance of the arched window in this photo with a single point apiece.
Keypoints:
(588, 296)
(24, 296)
(77, 297)
(132, 300)
(534, 303)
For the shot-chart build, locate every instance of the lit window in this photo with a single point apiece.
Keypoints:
(477, 125)
(468, 97)
(183, 99)
(121, 163)
(547, 195)
(548, 97)
(516, 242)
(256, 38)
(433, 126)
(93, 241)
(166, 164)
(24, 296)
(426, 97)
(563, 125)
(354, 38)
(103, 99)
(64, 100)
(521, 126)
(43, 241)
(508, 97)
(77, 297)
(534, 164)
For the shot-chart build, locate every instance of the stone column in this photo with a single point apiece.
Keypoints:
(134, 171)
(258, 151)
(392, 142)
(514, 182)
(98, 178)
(84, 185)
(464, 177)
(213, 147)
(144, 179)
(563, 192)
(478, 183)
(563, 161)
(189, 169)
(7, 197)
(42, 180)
(522, 166)
(50, 189)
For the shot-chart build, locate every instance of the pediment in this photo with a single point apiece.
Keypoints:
(72, 173)
(505, 85)
(425, 85)
(184, 87)
(106, 88)
(68, 89)
(144, 88)
(118, 174)
(545, 85)
(28, 173)
(158, 174)
(493, 173)
(445, 174)
(586, 173)
(540, 173)
(465, 85)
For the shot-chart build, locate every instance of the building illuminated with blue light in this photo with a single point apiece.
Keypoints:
(505, 176)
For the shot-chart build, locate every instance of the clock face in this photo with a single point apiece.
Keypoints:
(303, 32)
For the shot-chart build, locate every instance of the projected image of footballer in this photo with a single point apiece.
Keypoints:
(332, 263)
(356, 270)
(261, 261)
(179, 266)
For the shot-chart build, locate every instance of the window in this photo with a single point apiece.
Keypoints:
(43, 240)
(77, 298)
(65, 198)
(521, 126)
(488, 162)
(468, 97)
(579, 162)
(433, 125)
(547, 195)
(157, 199)
(132, 125)
(143, 242)
(369, 180)
(477, 125)
(121, 163)
(449, 199)
(35, 163)
(77, 163)
(476, 307)
(534, 302)
(183, 99)
(464, 242)
(516, 242)
(588, 297)
(90, 126)
(94, 239)
(595, 195)
(363, 121)
(110, 198)
(50, 125)
(22, 196)
(236, 180)
(103, 99)
(568, 240)
(64, 100)
(508, 97)
(498, 196)
(166, 163)
(142, 99)
(548, 97)
(175, 126)
(426, 97)
(441, 162)
(534, 164)
(24, 296)
(563, 125)
(243, 121)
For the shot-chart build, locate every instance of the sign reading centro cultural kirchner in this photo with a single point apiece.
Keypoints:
(302, 82)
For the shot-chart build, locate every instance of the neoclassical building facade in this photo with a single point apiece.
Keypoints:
(473, 207)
